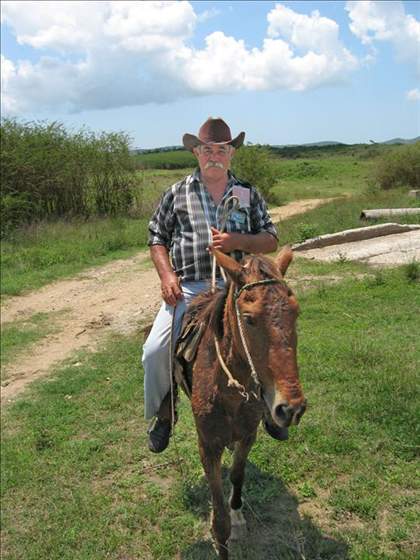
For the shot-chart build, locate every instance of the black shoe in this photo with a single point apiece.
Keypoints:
(159, 434)
(276, 432)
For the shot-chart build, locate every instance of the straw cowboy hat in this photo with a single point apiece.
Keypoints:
(213, 131)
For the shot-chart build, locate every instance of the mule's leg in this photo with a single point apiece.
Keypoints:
(237, 475)
(212, 463)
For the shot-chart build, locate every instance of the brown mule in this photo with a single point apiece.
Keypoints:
(238, 376)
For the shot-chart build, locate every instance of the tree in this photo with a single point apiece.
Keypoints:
(254, 165)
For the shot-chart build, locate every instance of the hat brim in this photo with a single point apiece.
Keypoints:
(190, 141)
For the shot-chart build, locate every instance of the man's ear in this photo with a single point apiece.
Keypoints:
(229, 265)
(284, 258)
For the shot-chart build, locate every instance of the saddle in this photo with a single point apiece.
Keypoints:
(186, 349)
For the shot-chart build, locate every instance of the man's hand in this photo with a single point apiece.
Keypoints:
(225, 242)
(171, 290)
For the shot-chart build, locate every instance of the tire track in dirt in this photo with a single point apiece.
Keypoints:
(117, 297)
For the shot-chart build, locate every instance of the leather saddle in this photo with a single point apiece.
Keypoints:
(186, 350)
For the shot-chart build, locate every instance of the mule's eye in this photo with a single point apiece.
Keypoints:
(249, 319)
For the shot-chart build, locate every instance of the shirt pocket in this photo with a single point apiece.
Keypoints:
(239, 221)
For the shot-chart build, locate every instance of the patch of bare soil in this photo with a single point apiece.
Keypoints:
(117, 297)
(298, 207)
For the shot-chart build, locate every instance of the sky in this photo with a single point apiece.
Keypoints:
(284, 72)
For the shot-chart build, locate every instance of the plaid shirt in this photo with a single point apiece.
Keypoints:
(183, 218)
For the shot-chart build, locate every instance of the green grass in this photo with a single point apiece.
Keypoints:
(79, 483)
(176, 159)
(19, 336)
(321, 178)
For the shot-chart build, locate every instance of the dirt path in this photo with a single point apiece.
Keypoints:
(116, 297)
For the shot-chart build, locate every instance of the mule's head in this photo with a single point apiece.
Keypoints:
(268, 313)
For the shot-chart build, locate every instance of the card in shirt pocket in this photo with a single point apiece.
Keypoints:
(244, 196)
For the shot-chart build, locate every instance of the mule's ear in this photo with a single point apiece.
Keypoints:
(284, 258)
(229, 265)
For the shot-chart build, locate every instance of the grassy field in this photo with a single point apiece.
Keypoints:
(40, 253)
(79, 484)
(176, 159)
(45, 252)
(300, 172)
(77, 480)
(321, 177)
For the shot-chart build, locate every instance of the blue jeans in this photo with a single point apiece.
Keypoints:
(156, 349)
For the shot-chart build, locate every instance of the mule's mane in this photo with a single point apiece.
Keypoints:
(208, 308)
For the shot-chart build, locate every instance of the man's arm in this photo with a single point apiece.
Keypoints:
(227, 242)
(160, 234)
(169, 281)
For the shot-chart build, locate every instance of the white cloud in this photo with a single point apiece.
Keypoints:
(63, 26)
(111, 54)
(386, 21)
(208, 14)
(313, 32)
(413, 94)
(229, 66)
(147, 26)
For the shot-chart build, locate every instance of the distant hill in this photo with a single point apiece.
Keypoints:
(321, 144)
(334, 143)
(310, 144)
(402, 141)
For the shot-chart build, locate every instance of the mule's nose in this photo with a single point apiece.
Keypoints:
(288, 414)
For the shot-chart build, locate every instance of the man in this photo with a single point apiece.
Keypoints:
(192, 215)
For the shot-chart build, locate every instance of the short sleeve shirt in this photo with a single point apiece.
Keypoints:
(186, 212)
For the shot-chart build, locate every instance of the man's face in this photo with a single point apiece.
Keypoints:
(213, 159)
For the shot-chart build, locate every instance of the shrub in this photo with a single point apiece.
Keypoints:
(306, 231)
(399, 167)
(15, 209)
(49, 172)
(254, 165)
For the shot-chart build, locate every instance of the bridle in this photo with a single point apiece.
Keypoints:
(232, 382)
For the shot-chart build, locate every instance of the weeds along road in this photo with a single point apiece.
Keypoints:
(117, 297)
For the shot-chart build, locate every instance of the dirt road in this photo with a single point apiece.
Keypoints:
(116, 297)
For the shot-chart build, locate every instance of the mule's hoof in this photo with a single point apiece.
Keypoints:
(238, 525)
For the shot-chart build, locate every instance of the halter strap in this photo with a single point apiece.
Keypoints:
(237, 293)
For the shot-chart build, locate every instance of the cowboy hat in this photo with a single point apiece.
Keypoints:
(213, 131)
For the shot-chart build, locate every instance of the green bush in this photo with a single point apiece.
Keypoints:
(49, 172)
(254, 164)
(399, 167)
(15, 209)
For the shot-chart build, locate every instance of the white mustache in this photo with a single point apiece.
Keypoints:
(214, 164)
